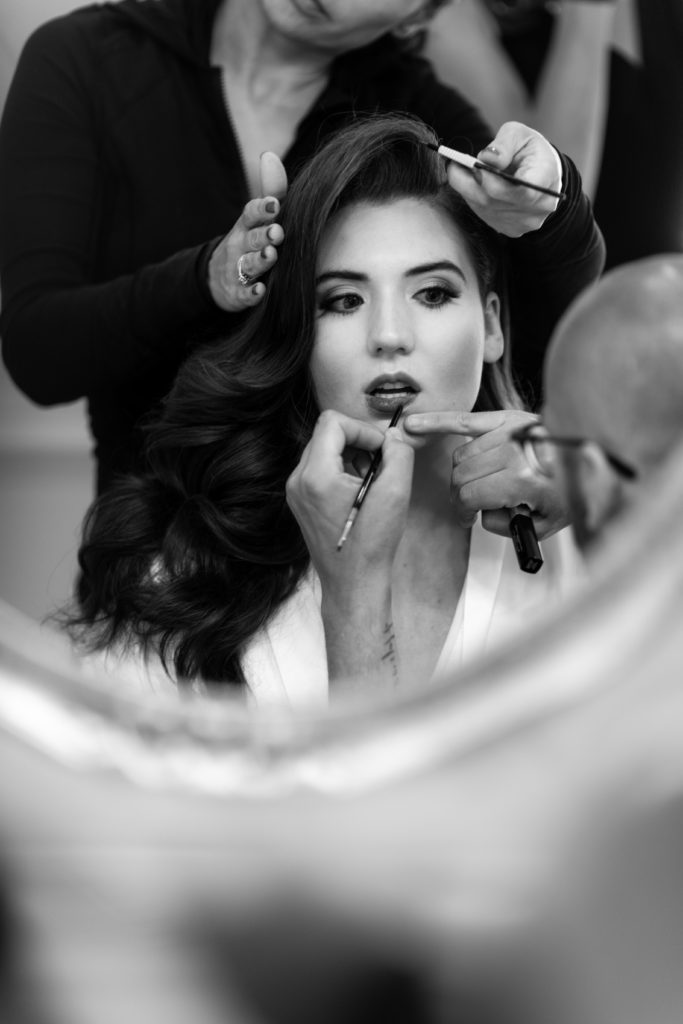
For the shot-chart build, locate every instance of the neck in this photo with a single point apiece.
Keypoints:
(246, 42)
(432, 477)
(433, 536)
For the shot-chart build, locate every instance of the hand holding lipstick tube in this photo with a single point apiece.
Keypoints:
(489, 471)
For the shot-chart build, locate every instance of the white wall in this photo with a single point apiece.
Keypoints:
(46, 473)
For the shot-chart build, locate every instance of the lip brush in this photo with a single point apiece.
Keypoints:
(365, 486)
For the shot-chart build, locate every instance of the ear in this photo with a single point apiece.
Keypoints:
(494, 341)
(599, 485)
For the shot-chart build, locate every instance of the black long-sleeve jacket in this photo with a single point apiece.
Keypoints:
(119, 168)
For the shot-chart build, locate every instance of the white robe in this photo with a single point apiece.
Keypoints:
(285, 663)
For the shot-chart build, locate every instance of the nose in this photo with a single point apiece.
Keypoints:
(390, 329)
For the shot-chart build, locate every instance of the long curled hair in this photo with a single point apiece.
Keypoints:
(190, 558)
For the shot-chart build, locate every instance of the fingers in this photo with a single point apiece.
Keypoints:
(253, 293)
(490, 472)
(473, 424)
(320, 493)
(260, 232)
(261, 236)
(333, 433)
(273, 175)
(508, 207)
(505, 149)
(258, 219)
(497, 520)
(469, 183)
(506, 455)
(246, 254)
(255, 264)
(397, 464)
(496, 445)
(497, 480)
(501, 488)
(527, 154)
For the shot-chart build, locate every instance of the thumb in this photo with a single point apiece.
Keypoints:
(273, 175)
(502, 150)
(397, 462)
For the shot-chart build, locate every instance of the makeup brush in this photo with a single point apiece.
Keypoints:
(474, 164)
(365, 486)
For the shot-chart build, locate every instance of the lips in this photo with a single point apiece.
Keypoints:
(387, 391)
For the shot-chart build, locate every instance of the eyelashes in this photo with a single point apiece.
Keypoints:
(433, 296)
(437, 295)
(342, 303)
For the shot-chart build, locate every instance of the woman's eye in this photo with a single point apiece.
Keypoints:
(344, 303)
(436, 295)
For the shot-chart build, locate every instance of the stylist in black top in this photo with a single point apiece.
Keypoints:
(130, 144)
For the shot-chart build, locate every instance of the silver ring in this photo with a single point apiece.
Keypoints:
(241, 276)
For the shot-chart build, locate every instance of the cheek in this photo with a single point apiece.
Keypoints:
(461, 374)
(329, 375)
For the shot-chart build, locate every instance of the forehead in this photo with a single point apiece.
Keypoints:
(412, 230)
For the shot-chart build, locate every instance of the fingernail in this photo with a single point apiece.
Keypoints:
(256, 290)
(491, 149)
(264, 254)
(271, 206)
(413, 421)
(271, 234)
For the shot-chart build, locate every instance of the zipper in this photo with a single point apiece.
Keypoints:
(235, 137)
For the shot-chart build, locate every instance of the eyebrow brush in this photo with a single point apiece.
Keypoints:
(474, 164)
(365, 486)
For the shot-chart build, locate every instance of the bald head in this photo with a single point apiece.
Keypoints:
(614, 375)
(614, 370)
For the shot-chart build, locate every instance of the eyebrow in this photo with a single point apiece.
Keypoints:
(423, 268)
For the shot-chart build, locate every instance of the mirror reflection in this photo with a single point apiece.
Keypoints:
(367, 704)
(221, 561)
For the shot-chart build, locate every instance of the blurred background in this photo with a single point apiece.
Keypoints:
(46, 472)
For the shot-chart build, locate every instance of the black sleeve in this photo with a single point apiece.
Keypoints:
(64, 333)
(548, 268)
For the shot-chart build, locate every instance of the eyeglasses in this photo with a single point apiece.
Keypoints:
(540, 446)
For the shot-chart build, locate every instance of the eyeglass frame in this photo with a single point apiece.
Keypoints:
(523, 436)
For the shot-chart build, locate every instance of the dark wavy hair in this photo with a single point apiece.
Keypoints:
(190, 558)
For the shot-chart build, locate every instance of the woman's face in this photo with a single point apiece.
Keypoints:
(337, 25)
(400, 318)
